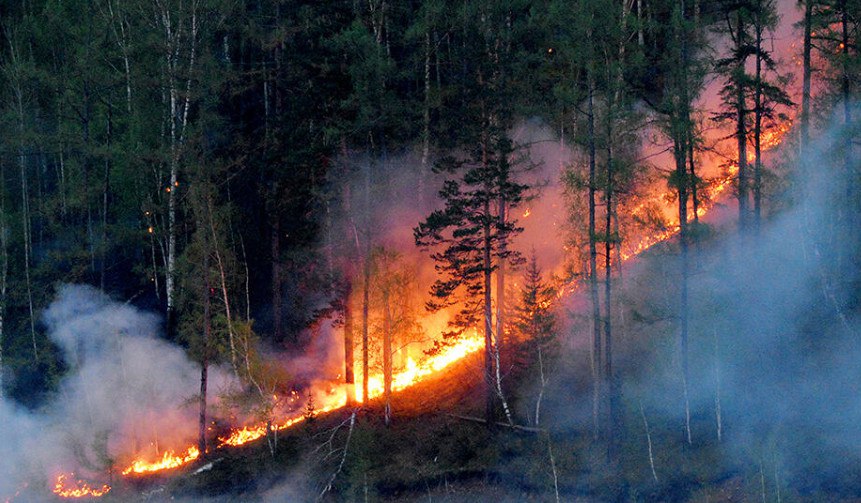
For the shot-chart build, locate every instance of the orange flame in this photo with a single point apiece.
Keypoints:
(768, 140)
(412, 374)
(68, 487)
(168, 460)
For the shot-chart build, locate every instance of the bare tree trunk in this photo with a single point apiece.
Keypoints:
(366, 276)
(366, 287)
(25, 217)
(117, 20)
(275, 247)
(488, 319)
(387, 354)
(695, 200)
(500, 317)
(683, 134)
(204, 364)
(649, 442)
(741, 132)
(178, 124)
(609, 381)
(349, 374)
(170, 270)
(757, 125)
(425, 117)
(106, 179)
(718, 412)
(231, 334)
(349, 345)
(500, 281)
(543, 383)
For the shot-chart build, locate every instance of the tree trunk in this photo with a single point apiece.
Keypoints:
(425, 117)
(387, 355)
(25, 217)
(170, 272)
(741, 131)
(106, 179)
(204, 364)
(349, 374)
(366, 273)
(806, 77)
(757, 125)
(231, 337)
(366, 288)
(848, 170)
(488, 318)
(178, 124)
(275, 247)
(500, 314)
(610, 383)
(683, 134)
(695, 200)
(593, 268)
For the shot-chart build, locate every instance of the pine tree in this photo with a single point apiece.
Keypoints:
(471, 236)
(536, 321)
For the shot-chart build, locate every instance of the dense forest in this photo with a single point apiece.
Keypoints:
(637, 220)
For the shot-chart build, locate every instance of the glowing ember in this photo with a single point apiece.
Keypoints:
(168, 460)
(68, 487)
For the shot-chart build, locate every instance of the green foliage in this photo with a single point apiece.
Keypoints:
(470, 232)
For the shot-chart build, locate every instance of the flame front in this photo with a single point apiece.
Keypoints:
(168, 460)
(412, 374)
(67, 486)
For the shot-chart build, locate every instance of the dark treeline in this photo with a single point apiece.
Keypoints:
(201, 158)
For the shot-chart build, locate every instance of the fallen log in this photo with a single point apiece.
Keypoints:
(527, 429)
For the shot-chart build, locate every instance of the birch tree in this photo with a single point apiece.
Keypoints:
(179, 26)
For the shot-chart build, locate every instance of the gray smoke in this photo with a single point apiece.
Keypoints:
(127, 392)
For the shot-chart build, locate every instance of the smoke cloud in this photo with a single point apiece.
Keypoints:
(126, 392)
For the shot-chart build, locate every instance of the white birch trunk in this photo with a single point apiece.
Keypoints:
(178, 123)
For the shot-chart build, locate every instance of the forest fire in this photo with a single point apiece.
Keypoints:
(412, 372)
(67, 486)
